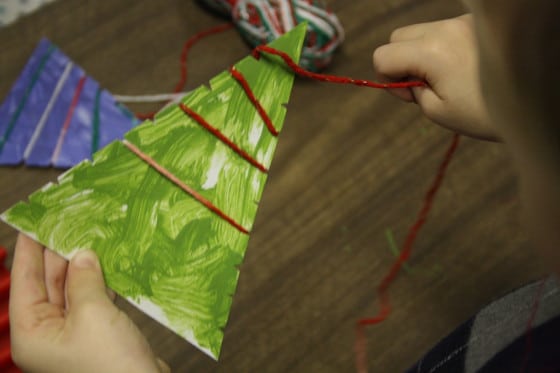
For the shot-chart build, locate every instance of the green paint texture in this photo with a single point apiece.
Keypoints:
(159, 247)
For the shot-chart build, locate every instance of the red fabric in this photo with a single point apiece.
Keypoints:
(6, 363)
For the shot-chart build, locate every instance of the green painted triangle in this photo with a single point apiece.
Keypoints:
(159, 247)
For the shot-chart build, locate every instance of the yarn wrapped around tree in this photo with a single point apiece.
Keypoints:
(262, 21)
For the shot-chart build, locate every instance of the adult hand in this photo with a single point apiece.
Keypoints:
(63, 320)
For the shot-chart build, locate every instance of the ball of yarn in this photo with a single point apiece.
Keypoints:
(222, 6)
(262, 21)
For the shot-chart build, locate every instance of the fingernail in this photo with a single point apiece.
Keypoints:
(85, 259)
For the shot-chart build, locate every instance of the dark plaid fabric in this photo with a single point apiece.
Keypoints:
(499, 339)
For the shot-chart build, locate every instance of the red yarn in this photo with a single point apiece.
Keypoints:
(287, 59)
(144, 116)
(183, 62)
(6, 363)
(174, 179)
(188, 45)
(241, 79)
(214, 131)
(332, 78)
(385, 306)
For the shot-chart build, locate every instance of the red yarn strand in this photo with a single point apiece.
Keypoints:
(287, 59)
(385, 306)
(241, 79)
(144, 116)
(174, 179)
(189, 44)
(214, 131)
(183, 61)
(332, 78)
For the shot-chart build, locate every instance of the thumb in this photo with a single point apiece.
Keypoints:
(85, 282)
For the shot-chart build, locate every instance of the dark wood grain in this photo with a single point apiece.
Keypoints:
(351, 164)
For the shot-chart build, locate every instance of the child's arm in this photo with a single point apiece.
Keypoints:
(62, 319)
(444, 54)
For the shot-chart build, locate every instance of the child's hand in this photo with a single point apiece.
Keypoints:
(444, 54)
(62, 319)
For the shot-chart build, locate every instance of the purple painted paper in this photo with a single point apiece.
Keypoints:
(113, 113)
(114, 121)
(12, 151)
(44, 148)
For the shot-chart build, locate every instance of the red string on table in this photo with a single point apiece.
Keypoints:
(382, 290)
(189, 44)
(184, 56)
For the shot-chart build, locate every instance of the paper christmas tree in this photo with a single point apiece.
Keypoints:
(171, 254)
(56, 115)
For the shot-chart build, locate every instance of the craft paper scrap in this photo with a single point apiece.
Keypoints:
(11, 10)
(56, 115)
(173, 255)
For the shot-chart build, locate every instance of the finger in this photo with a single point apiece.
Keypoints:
(411, 32)
(396, 62)
(430, 102)
(55, 276)
(400, 61)
(163, 367)
(111, 294)
(84, 282)
(404, 94)
(27, 277)
(405, 60)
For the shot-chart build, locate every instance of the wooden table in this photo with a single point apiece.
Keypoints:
(352, 163)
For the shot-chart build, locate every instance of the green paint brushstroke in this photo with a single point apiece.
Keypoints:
(159, 247)
(23, 101)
